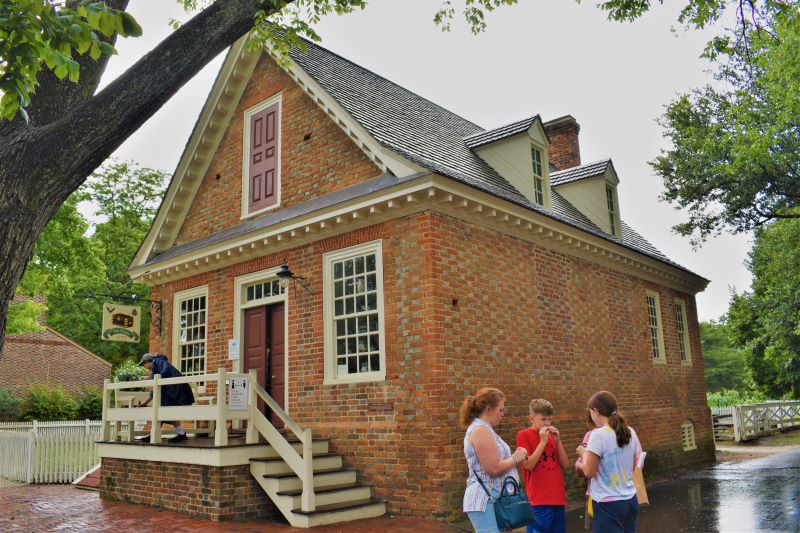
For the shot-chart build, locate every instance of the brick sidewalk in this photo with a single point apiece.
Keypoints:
(32, 508)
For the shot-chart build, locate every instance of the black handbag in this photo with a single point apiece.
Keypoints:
(510, 510)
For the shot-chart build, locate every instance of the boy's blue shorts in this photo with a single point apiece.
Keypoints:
(549, 519)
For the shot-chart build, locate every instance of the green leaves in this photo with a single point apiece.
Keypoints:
(68, 263)
(474, 13)
(35, 34)
(734, 160)
(766, 320)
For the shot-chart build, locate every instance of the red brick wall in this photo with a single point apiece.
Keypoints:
(207, 492)
(326, 162)
(564, 151)
(49, 359)
(466, 307)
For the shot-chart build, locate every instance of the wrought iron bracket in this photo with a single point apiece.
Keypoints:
(155, 307)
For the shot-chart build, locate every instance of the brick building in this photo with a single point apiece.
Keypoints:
(436, 257)
(48, 358)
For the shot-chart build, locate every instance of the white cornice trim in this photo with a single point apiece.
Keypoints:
(427, 193)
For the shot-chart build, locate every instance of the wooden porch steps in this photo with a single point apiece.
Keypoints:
(338, 497)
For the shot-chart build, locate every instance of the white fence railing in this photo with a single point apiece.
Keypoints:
(54, 427)
(35, 457)
(754, 420)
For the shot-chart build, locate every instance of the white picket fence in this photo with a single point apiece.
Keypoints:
(48, 452)
(61, 427)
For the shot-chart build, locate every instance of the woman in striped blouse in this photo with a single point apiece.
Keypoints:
(487, 455)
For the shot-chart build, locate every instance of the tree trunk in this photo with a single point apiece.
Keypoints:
(73, 131)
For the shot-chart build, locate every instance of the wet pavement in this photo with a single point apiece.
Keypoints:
(754, 495)
(64, 508)
(757, 495)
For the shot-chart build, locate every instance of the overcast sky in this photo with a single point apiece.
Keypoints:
(552, 57)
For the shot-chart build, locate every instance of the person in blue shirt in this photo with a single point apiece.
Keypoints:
(179, 394)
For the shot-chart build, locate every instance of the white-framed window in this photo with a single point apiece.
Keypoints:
(261, 157)
(537, 160)
(612, 210)
(189, 330)
(654, 324)
(687, 436)
(355, 344)
(683, 332)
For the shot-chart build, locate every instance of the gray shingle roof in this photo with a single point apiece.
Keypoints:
(439, 140)
(588, 170)
(426, 134)
(496, 134)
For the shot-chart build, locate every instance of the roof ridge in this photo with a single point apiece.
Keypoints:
(500, 127)
(384, 79)
(572, 169)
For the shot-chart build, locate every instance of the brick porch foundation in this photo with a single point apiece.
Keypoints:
(211, 493)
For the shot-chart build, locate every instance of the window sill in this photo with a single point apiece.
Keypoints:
(361, 378)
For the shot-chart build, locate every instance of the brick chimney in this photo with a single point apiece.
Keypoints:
(564, 151)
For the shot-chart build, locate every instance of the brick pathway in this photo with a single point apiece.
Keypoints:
(34, 508)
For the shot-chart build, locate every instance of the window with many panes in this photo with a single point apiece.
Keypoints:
(654, 323)
(538, 175)
(263, 289)
(354, 343)
(612, 212)
(683, 332)
(190, 319)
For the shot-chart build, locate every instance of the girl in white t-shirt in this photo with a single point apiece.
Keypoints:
(609, 458)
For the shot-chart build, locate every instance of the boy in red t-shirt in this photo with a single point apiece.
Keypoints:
(544, 477)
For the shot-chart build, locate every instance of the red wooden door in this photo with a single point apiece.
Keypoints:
(265, 352)
(277, 359)
(263, 164)
(255, 346)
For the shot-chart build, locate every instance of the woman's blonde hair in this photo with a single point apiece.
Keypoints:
(473, 406)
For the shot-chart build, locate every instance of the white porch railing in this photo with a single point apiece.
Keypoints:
(217, 413)
(39, 457)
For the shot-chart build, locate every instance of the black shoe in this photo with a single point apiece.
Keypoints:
(179, 438)
(144, 440)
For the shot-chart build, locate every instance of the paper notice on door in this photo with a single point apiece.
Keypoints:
(233, 349)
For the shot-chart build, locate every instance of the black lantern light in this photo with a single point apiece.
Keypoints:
(285, 276)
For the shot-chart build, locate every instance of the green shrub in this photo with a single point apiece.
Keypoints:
(45, 403)
(129, 370)
(9, 405)
(728, 397)
(90, 403)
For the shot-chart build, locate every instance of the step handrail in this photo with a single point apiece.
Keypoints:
(303, 466)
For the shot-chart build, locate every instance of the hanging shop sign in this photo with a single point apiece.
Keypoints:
(121, 323)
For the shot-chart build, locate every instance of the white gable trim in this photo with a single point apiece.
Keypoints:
(387, 160)
(204, 141)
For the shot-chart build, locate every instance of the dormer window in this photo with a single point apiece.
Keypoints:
(538, 176)
(612, 211)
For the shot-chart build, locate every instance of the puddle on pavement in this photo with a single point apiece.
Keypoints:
(759, 495)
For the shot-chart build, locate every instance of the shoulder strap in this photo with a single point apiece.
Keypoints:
(482, 485)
